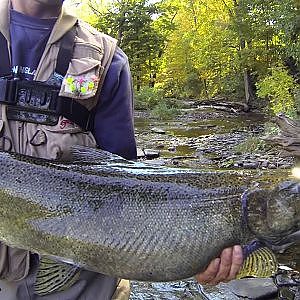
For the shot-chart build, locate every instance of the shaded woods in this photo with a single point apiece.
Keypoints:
(241, 50)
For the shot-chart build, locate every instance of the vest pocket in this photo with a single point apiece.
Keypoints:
(82, 79)
(14, 263)
(55, 142)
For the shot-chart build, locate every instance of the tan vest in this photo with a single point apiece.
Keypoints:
(93, 53)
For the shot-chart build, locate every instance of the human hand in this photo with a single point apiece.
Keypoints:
(223, 268)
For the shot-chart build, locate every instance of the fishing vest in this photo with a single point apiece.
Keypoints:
(43, 118)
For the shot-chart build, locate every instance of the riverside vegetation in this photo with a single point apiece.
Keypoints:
(240, 50)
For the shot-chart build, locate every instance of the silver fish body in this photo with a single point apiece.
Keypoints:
(128, 220)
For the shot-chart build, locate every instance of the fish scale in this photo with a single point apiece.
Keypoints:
(130, 220)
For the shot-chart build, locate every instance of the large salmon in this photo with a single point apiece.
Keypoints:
(130, 220)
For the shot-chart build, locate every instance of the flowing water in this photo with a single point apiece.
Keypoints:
(185, 133)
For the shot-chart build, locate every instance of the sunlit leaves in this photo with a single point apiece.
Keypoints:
(279, 88)
(203, 48)
(216, 41)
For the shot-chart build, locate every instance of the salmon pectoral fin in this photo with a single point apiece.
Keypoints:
(259, 261)
(53, 276)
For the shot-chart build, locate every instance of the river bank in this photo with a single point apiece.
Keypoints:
(208, 138)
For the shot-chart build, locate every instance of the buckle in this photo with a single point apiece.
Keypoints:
(36, 95)
(29, 101)
(28, 94)
(7, 90)
(38, 102)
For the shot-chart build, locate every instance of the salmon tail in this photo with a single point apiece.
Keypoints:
(259, 261)
(53, 276)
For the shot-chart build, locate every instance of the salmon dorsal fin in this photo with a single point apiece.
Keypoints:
(53, 276)
(88, 155)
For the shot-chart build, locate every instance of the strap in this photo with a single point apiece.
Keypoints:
(63, 59)
(75, 112)
(65, 52)
(39, 101)
(5, 67)
(64, 106)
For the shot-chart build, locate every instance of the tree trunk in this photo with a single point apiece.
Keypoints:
(291, 64)
(249, 92)
(152, 80)
(206, 89)
(248, 85)
(138, 83)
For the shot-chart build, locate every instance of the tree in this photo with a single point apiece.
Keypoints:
(132, 22)
(269, 34)
(207, 48)
(200, 59)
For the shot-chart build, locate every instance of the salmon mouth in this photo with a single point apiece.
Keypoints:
(280, 244)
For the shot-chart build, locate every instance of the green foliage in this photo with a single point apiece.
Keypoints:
(200, 51)
(280, 89)
(153, 100)
(208, 58)
(250, 145)
(269, 31)
(270, 129)
(163, 111)
(147, 98)
(203, 49)
(297, 99)
(141, 28)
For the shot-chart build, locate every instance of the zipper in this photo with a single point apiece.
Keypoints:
(20, 137)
